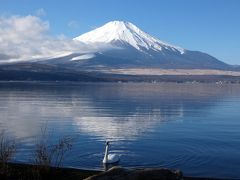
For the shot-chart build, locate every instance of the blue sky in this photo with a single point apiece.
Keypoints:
(211, 26)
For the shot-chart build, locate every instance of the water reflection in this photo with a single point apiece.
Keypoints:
(122, 127)
(109, 111)
(194, 127)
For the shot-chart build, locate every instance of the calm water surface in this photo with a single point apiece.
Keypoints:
(192, 127)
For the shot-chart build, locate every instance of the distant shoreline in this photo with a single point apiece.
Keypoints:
(38, 72)
(112, 78)
(174, 72)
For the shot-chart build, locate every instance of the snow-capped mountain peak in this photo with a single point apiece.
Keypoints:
(122, 44)
(126, 32)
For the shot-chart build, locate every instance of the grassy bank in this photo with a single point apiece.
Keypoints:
(15, 171)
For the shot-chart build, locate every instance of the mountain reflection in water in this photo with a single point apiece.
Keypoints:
(172, 125)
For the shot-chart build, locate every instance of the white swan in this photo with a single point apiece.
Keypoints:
(110, 158)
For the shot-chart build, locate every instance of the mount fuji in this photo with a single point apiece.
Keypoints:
(122, 44)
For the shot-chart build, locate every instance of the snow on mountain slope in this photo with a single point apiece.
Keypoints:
(116, 32)
(129, 46)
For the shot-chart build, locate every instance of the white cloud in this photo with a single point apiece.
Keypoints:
(27, 37)
(82, 57)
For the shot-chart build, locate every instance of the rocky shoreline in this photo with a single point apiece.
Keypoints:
(118, 173)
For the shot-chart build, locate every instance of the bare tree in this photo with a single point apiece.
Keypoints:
(47, 154)
(7, 151)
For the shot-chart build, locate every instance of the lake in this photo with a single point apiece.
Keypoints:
(191, 127)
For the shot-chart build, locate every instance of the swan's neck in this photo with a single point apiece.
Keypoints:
(106, 154)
